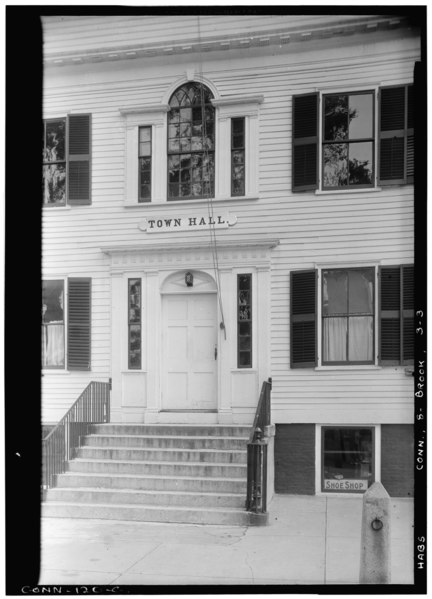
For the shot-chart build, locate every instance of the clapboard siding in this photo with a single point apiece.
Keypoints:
(371, 226)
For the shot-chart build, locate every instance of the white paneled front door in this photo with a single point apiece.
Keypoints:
(189, 376)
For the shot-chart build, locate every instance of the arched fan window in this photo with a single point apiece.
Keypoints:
(191, 143)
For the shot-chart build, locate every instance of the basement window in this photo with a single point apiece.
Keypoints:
(347, 459)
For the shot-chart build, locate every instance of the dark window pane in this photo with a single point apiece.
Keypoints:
(55, 141)
(336, 118)
(244, 328)
(54, 184)
(185, 114)
(360, 163)
(173, 115)
(361, 291)
(174, 145)
(196, 143)
(245, 359)
(335, 290)
(244, 343)
(361, 116)
(335, 165)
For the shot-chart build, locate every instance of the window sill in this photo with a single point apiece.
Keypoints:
(200, 202)
(342, 367)
(320, 192)
(55, 371)
(48, 207)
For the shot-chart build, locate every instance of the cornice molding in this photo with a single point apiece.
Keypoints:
(233, 100)
(130, 110)
(255, 253)
(192, 246)
(226, 43)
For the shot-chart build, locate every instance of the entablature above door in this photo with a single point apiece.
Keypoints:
(196, 255)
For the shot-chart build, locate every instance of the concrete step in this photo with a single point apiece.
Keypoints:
(159, 468)
(133, 497)
(221, 456)
(225, 516)
(150, 482)
(167, 441)
(225, 430)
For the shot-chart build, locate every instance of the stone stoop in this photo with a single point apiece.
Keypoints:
(156, 473)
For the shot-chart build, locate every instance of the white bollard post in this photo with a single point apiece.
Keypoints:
(375, 536)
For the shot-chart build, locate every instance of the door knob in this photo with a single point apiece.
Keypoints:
(215, 353)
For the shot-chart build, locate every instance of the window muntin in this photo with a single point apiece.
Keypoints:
(53, 327)
(54, 163)
(244, 320)
(348, 316)
(238, 157)
(191, 143)
(348, 140)
(145, 163)
(134, 324)
(347, 459)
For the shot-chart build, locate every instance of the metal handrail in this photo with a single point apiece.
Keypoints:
(256, 494)
(60, 445)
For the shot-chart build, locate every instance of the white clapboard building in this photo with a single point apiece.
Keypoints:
(228, 201)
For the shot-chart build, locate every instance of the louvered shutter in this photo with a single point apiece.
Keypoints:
(390, 331)
(396, 135)
(396, 315)
(305, 142)
(408, 314)
(79, 159)
(79, 323)
(303, 319)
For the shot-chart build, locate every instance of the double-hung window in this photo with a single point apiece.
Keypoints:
(340, 325)
(353, 140)
(66, 324)
(66, 172)
(348, 140)
(348, 316)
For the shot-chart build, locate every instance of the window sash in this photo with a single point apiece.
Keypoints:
(349, 143)
(365, 336)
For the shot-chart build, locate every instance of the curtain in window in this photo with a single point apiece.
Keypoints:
(53, 343)
(360, 340)
(334, 337)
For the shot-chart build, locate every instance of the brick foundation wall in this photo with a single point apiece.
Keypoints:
(397, 459)
(295, 459)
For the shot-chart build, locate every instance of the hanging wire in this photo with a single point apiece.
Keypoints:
(207, 185)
